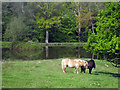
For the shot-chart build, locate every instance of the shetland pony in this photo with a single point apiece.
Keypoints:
(73, 64)
(91, 64)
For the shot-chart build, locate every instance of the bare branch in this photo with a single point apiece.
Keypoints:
(40, 6)
(75, 13)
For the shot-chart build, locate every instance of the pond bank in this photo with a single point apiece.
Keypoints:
(27, 44)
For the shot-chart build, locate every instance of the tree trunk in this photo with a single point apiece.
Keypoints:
(92, 27)
(47, 36)
(47, 32)
(79, 30)
(23, 7)
(79, 27)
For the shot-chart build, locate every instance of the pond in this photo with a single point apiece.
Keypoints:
(46, 52)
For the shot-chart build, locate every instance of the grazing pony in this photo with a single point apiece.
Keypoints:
(73, 64)
(91, 64)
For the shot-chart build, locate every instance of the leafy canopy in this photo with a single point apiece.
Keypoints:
(107, 39)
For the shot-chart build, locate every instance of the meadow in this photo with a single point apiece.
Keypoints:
(48, 74)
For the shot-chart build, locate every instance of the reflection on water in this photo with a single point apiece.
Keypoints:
(46, 52)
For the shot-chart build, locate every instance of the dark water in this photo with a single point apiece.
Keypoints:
(46, 52)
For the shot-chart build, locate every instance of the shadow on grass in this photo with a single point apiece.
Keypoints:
(108, 73)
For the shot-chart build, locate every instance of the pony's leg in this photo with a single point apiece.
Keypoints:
(81, 69)
(84, 70)
(90, 70)
(64, 69)
(63, 66)
(77, 70)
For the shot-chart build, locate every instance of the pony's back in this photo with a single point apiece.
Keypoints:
(92, 63)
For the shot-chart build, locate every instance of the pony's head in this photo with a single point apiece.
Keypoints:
(85, 64)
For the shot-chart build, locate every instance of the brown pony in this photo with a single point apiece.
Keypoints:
(73, 64)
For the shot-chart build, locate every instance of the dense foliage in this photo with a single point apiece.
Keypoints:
(61, 20)
(16, 30)
(106, 41)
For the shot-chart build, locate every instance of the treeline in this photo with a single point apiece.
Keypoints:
(49, 22)
(98, 24)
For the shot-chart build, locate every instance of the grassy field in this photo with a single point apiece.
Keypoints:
(48, 74)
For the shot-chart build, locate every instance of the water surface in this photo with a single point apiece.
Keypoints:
(46, 52)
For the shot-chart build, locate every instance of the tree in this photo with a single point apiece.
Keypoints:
(106, 41)
(68, 28)
(46, 18)
(30, 12)
(6, 16)
(82, 14)
(16, 29)
(13, 21)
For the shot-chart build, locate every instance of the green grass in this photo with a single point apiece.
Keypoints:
(64, 43)
(48, 74)
(34, 44)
